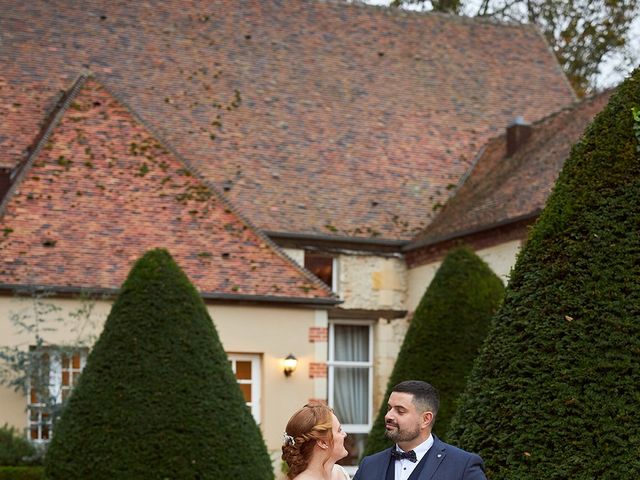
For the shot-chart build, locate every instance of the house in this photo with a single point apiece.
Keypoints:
(97, 192)
(333, 134)
(502, 194)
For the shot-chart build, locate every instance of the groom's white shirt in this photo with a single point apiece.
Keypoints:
(404, 468)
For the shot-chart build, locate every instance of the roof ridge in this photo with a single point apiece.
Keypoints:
(224, 201)
(417, 240)
(52, 121)
(426, 13)
(542, 36)
(423, 235)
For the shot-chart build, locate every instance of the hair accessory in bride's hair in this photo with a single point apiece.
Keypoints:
(288, 439)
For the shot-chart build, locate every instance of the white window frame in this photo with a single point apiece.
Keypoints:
(332, 363)
(255, 382)
(334, 268)
(55, 386)
(334, 275)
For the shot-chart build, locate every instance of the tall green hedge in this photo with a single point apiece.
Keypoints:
(445, 334)
(555, 391)
(21, 473)
(157, 399)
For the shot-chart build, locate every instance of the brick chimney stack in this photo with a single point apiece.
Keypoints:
(5, 182)
(518, 132)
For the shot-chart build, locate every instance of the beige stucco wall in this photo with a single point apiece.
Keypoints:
(367, 281)
(274, 333)
(388, 337)
(296, 254)
(13, 404)
(384, 282)
(372, 282)
(501, 258)
(271, 332)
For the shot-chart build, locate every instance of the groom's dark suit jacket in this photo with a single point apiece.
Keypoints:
(441, 462)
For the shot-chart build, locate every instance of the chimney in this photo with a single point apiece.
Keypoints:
(518, 132)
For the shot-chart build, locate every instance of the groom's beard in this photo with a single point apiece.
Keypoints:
(396, 435)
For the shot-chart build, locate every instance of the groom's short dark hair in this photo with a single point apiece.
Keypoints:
(425, 395)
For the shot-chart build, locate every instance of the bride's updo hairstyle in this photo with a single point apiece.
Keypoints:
(312, 422)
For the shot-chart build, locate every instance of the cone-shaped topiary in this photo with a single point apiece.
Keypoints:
(157, 399)
(555, 390)
(445, 334)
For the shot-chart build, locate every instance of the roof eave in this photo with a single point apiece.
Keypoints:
(355, 243)
(430, 241)
(70, 291)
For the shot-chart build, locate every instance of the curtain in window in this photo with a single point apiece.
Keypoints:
(351, 384)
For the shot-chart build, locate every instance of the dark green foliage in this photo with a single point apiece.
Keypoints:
(21, 473)
(15, 449)
(157, 399)
(445, 334)
(554, 393)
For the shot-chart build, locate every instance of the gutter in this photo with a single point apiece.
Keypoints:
(67, 291)
(309, 239)
(427, 242)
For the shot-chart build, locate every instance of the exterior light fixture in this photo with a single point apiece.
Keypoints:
(290, 364)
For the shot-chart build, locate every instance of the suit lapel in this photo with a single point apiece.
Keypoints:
(435, 455)
(387, 468)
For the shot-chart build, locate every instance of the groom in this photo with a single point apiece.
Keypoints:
(417, 455)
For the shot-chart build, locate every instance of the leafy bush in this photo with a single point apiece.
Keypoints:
(555, 391)
(21, 473)
(445, 334)
(157, 398)
(15, 449)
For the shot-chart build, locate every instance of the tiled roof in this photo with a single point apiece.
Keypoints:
(313, 117)
(501, 189)
(100, 190)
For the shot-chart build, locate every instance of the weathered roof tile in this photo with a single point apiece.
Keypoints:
(501, 189)
(349, 105)
(103, 190)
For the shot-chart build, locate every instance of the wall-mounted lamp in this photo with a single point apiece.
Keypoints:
(290, 364)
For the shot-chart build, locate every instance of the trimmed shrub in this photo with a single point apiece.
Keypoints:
(15, 449)
(21, 473)
(554, 393)
(157, 398)
(444, 336)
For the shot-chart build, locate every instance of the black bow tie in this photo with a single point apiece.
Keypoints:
(410, 455)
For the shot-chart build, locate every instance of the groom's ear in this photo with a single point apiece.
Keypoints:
(427, 419)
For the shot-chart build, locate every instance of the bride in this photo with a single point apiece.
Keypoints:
(313, 443)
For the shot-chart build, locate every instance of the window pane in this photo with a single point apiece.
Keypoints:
(354, 443)
(246, 391)
(243, 370)
(246, 368)
(55, 374)
(351, 394)
(351, 343)
(320, 265)
(76, 361)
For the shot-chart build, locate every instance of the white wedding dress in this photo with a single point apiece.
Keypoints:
(342, 470)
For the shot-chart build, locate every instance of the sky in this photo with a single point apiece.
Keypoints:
(613, 69)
